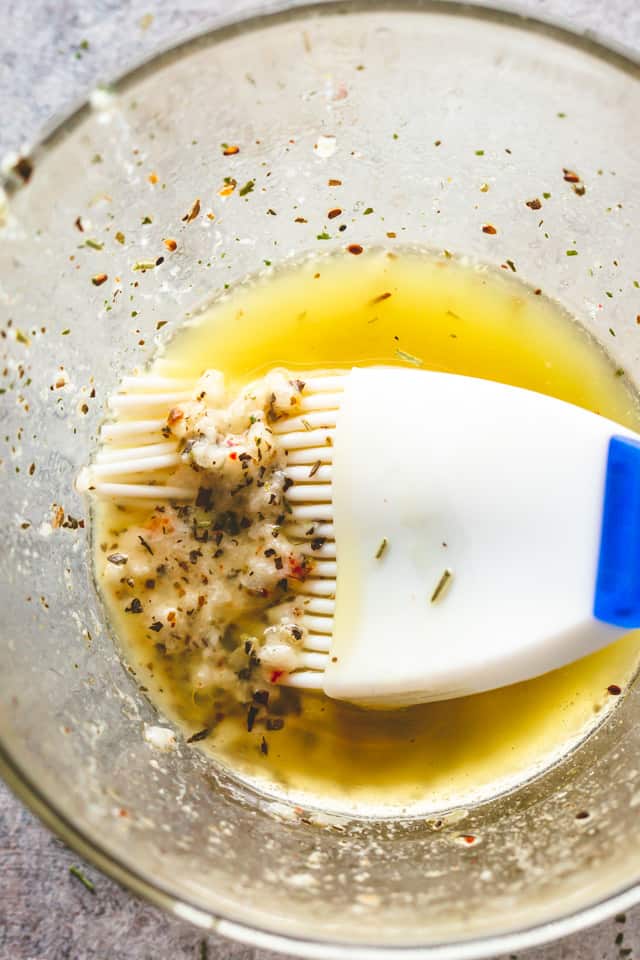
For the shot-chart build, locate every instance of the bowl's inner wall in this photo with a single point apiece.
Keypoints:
(425, 108)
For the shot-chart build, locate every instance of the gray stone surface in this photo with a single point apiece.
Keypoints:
(50, 52)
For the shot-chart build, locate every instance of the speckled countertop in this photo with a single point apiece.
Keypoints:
(50, 52)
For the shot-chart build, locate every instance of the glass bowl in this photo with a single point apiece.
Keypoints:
(414, 108)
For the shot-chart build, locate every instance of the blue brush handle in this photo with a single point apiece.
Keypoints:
(617, 596)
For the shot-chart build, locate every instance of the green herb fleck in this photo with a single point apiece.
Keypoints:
(323, 236)
(367, 211)
(65, 333)
(23, 338)
(146, 220)
(120, 236)
(144, 265)
(395, 136)
(608, 294)
(96, 158)
(619, 372)
(612, 331)
(547, 196)
(79, 875)
(381, 549)
(572, 253)
(409, 358)
(479, 153)
(248, 188)
(267, 263)
(442, 585)
(94, 244)
(561, 115)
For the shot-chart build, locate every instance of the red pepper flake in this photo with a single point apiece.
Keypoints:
(490, 229)
(614, 689)
(579, 189)
(391, 235)
(297, 570)
(380, 298)
(334, 183)
(170, 244)
(275, 675)
(534, 204)
(538, 291)
(98, 279)
(175, 415)
(570, 176)
(355, 249)
(153, 177)
(193, 213)
(332, 214)
(583, 815)
(469, 839)
(58, 516)
(78, 224)
(230, 149)
(300, 220)
(233, 456)
(230, 183)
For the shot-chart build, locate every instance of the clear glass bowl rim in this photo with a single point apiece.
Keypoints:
(18, 779)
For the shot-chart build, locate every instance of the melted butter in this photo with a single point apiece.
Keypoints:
(461, 319)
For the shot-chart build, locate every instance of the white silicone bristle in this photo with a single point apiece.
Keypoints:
(140, 491)
(111, 455)
(307, 439)
(140, 429)
(130, 402)
(309, 473)
(305, 680)
(133, 465)
(307, 422)
(141, 382)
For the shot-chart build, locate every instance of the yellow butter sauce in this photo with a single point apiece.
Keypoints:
(405, 308)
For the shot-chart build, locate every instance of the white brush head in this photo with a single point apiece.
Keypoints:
(488, 500)
(453, 524)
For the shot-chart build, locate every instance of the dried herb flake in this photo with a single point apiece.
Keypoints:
(384, 543)
(442, 584)
(84, 880)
